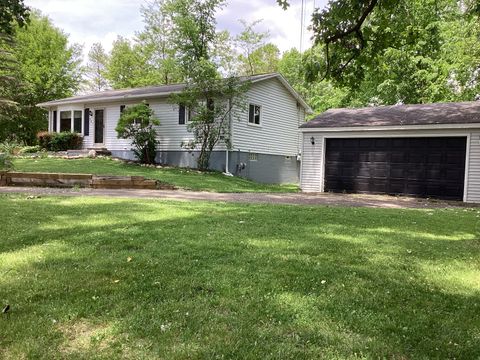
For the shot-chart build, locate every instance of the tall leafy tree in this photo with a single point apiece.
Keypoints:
(13, 14)
(96, 69)
(49, 69)
(157, 43)
(211, 100)
(130, 65)
(255, 55)
(320, 95)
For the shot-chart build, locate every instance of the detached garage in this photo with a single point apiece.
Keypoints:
(416, 150)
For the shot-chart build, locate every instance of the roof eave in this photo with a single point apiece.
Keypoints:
(304, 128)
(105, 99)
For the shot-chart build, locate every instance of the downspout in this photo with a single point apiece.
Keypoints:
(227, 172)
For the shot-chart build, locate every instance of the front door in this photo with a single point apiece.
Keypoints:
(99, 126)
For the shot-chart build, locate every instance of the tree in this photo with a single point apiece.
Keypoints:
(137, 123)
(211, 100)
(320, 95)
(351, 32)
(96, 69)
(13, 14)
(157, 42)
(130, 65)
(252, 47)
(48, 68)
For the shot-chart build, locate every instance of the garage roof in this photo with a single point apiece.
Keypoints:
(399, 115)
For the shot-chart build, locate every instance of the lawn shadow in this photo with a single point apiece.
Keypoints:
(180, 280)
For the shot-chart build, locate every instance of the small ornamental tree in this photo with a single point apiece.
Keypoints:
(136, 124)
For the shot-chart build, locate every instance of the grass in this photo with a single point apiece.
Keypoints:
(116, 278)
(180, 177)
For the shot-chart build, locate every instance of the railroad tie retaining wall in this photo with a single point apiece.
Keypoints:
(14, 178)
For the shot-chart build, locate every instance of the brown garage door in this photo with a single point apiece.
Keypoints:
(426, 167)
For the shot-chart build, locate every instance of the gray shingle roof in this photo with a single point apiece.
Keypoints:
(399, 115)
(157, 91)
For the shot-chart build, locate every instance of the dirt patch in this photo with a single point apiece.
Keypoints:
(84, 336)
(313, 199)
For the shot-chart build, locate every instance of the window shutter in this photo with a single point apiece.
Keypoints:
(251, 114)
(181, 114)
(122, 107)
(86, 122)
(54, 121)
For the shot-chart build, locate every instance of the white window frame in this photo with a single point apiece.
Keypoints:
(259, 115)
(252, 156)
(72, 119)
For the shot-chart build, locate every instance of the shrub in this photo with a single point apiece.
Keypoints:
(59, 141)
(5, 162)
(137, 124)
(11, 147)
(29, 149)
(44, 138)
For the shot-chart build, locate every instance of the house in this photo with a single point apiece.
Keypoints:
(265, 141)
(421, 150)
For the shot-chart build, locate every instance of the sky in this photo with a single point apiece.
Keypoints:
(90, 21)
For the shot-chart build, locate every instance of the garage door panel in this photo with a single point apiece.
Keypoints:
(431, 167)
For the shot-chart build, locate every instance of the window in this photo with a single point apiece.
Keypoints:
(181, 115)
(184, 115)
(77, 121)
(65, 121)
(252, 156)
(70, 120)
(254, 114)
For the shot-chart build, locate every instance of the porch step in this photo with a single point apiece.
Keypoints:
(101, 151)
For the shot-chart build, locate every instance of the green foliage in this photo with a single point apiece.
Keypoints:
(255, 56)
(46, 68)
(13, 12)
(63, 141)
(320, 95)
(137, 124)
(30, 149)
(211, 100)
(158, 44)
(11, 147)
(96, 69)
(410, 51)
(6, 161)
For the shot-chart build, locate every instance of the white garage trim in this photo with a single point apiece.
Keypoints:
(394, 128)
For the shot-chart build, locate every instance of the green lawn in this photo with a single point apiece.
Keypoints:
(182, 178)
(117, 278)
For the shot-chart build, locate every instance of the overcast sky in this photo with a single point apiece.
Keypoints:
(90, 21)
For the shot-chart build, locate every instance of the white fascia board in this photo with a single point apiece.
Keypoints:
(392, 128)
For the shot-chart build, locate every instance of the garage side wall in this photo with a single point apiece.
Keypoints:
(312, 163)
(473, 171)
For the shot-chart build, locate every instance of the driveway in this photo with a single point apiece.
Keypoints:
(324, 199)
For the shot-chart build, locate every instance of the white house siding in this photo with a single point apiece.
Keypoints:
(277, 133)
(473, 171)
(311, 176)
